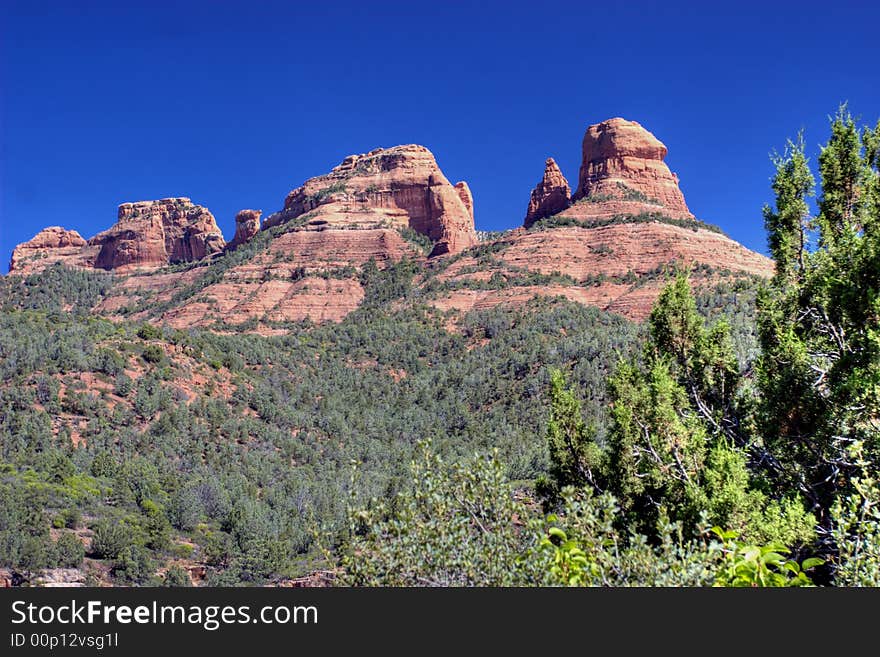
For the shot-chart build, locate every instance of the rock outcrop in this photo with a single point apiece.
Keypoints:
(247, 224)
(152, 234)
(464, 193)
(551, 196)
(369, 209)
(617, 265)
(399, 187)
(51, 245)
(623, 172)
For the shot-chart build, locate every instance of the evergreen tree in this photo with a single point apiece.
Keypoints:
(819, 373)
(787, 224)
(575, 458)
(679, 447)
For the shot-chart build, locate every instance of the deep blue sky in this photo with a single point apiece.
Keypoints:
(235, 103)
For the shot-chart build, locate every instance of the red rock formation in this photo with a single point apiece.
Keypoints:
(51, 245)
(395, 187)
(457, 231)
(282, 283)
(336, 223)
(623, 172)
(151, 234)
(277, 300)
(247, 224)
(551, 196)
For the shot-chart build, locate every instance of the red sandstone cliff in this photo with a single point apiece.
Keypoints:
(247, 224)
(619, 268)
(333, 224)
(147, 235)
(399, 187)
(623, 172)
(152, 234)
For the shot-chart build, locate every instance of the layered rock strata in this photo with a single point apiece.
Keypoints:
(399, 187)
(152, 234)
(51, 245)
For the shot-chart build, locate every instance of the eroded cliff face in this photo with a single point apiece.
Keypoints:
(619, 268)
(298, 274)
(147, 235)
(632, 225)
(399, 187)
(51, 245)
(152, 234)
(623, 172)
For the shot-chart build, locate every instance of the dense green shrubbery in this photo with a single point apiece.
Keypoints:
(464, 525)
(57, 288)
(459, 526)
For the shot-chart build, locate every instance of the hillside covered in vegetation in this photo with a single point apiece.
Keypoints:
(469, 420)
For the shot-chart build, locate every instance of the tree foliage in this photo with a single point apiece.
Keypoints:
(458, 526)
(819, 372)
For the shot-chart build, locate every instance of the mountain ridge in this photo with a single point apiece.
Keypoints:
(603, 245)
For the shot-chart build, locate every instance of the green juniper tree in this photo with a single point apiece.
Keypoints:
(575, 457)
(788, 223)
(678, 448)
(819, 319)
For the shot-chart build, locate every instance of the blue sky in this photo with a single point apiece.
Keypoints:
(235, 103)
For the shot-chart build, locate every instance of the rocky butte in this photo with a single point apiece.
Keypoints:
(610, 244)
(622, 171)
(51, 245)
(152, 234)
(381, 206)
(399, 187)
(147, 235)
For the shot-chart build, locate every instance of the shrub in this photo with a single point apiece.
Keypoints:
(68, 518)
(123, 385)
(153, 354)
(134, 565)
(458, 527)
(177, 577)
(109, 539)
(69, 550)
(156, 527)
(185, 510)
(856, 528)
(149, 332)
